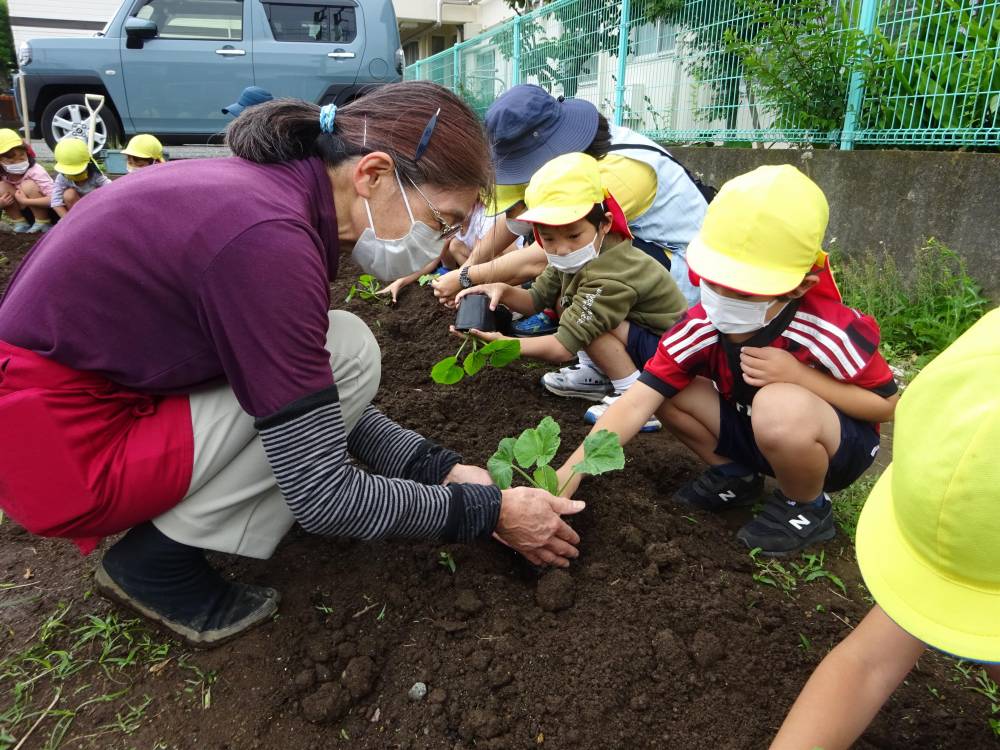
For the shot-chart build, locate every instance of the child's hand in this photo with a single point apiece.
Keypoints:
(395, 288)
(494, 291)
(19, 196)
(486, 336)
(765, 365)
(446, 287)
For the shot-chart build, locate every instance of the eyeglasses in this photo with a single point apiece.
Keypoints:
(447, 230)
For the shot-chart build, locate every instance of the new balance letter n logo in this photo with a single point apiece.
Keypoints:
(727, 496)
(799, 523)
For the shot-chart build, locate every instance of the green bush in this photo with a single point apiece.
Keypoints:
(920, 312)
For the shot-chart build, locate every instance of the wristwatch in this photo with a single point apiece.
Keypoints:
(463, 278)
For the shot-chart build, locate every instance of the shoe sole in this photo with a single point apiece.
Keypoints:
(826, 536)
(107, 587)
(683, 502)
(595, 397)
(644, 428)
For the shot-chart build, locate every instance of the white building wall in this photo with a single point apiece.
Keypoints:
(59, 17)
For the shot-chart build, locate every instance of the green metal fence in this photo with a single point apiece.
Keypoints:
(904, 71)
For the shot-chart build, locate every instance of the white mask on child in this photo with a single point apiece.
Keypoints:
(574, 261)
(519, 228)
(730, 315)
(18, 167)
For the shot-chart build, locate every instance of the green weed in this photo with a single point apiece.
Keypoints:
(445, 559)
(847, 504)
(986, 687)
(920, 312)
(788, 577)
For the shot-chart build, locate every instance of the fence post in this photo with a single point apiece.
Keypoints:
(456, 66)
(515, 78)
(416, 73)
(622, 59)
(856, 89)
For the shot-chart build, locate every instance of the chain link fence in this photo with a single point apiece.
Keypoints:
(823, 71)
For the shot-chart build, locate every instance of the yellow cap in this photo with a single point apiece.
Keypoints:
(927, 540)
(144, 146)
(563, 190)
(504, 197)
(72, 156)
(763, 232)
(9, 139)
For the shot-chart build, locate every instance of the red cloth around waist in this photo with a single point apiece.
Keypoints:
(83, 458)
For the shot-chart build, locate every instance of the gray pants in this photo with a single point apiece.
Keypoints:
(234, 504)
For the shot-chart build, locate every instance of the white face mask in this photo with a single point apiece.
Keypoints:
(388, 260)
(130, 170)
(519, 228)
(574, 261)
(18, 167)
(730, 315)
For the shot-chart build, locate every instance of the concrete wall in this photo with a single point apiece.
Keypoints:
(891, 199)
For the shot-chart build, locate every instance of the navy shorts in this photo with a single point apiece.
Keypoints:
(641, 345)
(859, 444)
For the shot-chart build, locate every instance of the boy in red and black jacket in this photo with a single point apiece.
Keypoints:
(771, 373)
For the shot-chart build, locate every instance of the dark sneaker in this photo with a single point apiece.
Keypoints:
(714, 491)
(173, 585)
(541, 324)
(783, 528)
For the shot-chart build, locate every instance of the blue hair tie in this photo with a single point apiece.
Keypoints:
(326, 115)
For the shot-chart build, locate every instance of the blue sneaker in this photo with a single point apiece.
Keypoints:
(442, 270)
(597, 411)
(39, 227)
(21, 227)
(540, 324)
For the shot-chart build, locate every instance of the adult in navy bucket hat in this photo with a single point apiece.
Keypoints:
(249, 97)
(529, 127)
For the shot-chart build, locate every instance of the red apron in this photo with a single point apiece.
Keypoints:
(83, 458)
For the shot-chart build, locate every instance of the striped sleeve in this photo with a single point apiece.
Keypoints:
(681, 353)
(307, 447)
(393, 451)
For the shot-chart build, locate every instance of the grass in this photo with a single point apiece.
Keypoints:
(789, 575)
(978, 681)
(920, 311)
(74, 664)
(847, 504)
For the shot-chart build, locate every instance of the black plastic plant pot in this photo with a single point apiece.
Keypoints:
(474, 313)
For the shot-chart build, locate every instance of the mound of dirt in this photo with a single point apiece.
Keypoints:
(13, 248)
(658, 637)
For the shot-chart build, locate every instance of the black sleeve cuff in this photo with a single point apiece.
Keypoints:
(886, 389)
(664, 389)
(296, 409)
(472, 513)
(431, 463)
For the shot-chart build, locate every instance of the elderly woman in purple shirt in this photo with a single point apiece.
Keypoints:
(208, 281)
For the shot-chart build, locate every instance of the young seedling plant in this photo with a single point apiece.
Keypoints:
(499, 353)
(537, 446)
(367, 288)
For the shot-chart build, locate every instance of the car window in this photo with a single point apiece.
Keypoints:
(312, 23)
(195, 19)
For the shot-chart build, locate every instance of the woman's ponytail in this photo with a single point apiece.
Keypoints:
(276, 131)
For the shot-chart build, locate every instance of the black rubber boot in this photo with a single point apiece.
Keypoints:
(173, 585)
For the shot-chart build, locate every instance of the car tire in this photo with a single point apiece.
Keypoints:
(66, 116)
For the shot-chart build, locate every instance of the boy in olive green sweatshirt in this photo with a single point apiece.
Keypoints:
(614, 301)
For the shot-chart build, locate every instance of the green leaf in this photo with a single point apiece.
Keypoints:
(501, 464)
(546, 479)
(502, 351)
(538, 445)
(426, 279)
(474, 362)
(447, 371)
(601, 452)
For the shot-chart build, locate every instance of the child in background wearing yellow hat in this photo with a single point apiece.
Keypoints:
(143, 150)
(78, 174)
(927, 547)
(24, 184)
(771, 374)
(613, 300)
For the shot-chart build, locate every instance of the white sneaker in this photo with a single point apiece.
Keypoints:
(578, 381)
(596, 412)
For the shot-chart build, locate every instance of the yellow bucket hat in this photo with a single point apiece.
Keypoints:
(504, 197)
(9, 139)
(763, 232)
(927, 539)
(563, 190)
(72, 156)
(144, 146)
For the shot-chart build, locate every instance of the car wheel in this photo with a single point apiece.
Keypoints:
(66, 117)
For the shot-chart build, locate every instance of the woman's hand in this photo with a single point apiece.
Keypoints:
(531, 523)
(446, 287)
(468, 474)
(765, 365)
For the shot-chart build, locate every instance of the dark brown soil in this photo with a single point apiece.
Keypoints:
(13, 247)
(657, 637)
